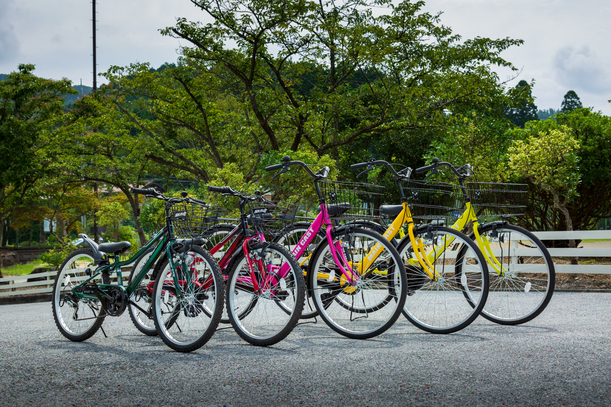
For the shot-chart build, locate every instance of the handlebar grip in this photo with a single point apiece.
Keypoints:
(358, 165)
(144, 191)
(273, 167)
(199, 201)
(221, 190)
(427, 168)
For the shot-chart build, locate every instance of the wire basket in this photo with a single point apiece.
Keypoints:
(433, 200)
(192, 220)
(270, 217)
(492, 199)
(352, 200)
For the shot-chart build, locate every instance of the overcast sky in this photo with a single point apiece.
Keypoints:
(566, 41)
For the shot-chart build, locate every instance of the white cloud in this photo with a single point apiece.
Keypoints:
(9, 43)
(583, 69)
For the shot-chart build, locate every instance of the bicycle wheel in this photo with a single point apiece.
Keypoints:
(437, 304)
(522, 288)
(266, 316)
(373, 303)
(76, 318)
(142, 297)
(187, 315)
(289, 238)
(214, 235)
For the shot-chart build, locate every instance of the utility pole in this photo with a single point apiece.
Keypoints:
(96, 235)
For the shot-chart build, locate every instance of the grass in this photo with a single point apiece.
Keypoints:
(22, 269)
(594, 240)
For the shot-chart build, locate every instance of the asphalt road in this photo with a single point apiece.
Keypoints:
(561, 358)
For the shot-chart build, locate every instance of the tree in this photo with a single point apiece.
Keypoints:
(320, 75)
(99, 144)
(30, 107)
(524, 110)
(592, 133)
(571, 102)
(549, 160)
(546, 114)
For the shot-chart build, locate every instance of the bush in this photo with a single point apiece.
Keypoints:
(56, 256)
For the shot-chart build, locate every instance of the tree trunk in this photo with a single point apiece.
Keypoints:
(42, 236)
(569, 222)
(1, 239)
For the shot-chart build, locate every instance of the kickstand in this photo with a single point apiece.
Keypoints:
(105, 336)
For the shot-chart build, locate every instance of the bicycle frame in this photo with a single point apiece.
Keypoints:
(241, 242)
(160, 239)
(336, 250)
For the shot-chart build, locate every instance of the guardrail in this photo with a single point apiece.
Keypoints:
(42, 283)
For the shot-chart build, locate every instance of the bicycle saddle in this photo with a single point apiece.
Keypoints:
(391, 210)
(339, 209)
(114, 248)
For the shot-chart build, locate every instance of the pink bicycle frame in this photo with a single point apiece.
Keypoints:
(336, 250)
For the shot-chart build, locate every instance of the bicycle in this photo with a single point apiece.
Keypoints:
(265, 288)
(522, 273)
(355, 278)
(443, 265)
(185, 312)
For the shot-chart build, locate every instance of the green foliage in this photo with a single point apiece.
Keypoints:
(570, 102)
(323, 74)
(524, 109)
(56, 256)
(129, 234)
(31, 107)
(295, 186)
(592, 133)
(111, 215)
(231, 176)
(479, 141)
(546, 114)
(152, 215)
(549, 159)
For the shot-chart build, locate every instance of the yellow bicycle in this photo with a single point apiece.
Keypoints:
(522, 275)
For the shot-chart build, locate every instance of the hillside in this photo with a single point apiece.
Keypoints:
(70, 99)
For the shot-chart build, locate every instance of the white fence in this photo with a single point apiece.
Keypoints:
(42, 283)
(595, 252)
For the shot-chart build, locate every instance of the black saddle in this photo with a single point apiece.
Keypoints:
(339, 209)
(391, 210)
(114, 248)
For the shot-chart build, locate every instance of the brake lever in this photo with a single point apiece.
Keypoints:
(284, 169)
(364, 172)
(431, 172)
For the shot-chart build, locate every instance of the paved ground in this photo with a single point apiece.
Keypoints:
(561, 358)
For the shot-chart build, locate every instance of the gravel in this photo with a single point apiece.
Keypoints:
(563, 357)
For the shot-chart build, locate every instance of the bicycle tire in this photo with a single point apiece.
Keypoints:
(440, 306)
(372, 305)
(66, 307)
(187, 322)
(213, 236)
(525, 288)
(261, 318)
(143, 297)
(289, 237)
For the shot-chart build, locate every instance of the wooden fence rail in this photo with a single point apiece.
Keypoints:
(42, 283)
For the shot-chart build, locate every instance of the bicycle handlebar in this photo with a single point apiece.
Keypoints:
(145, 191)
(393, 172)
(427, 168)
(286, 163)
(221, 190)
(153, 193)
(463, 171)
